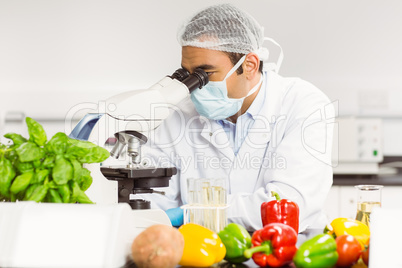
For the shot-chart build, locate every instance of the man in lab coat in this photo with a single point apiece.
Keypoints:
(257, 130)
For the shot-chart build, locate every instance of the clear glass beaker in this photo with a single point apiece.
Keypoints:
(368, 197)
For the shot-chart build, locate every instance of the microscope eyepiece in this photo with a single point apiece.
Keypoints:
(198, 79)
(180, 74)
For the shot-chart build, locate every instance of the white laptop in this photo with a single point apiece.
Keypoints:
(386, 238)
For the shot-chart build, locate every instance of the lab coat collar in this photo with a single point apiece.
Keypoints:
(255, 107)
(274, 87)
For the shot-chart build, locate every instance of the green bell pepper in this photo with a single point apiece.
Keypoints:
(236, 240)
(317, 252)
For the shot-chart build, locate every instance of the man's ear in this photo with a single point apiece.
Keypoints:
(251, 65)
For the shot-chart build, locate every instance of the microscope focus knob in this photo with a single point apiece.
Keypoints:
(124, 192)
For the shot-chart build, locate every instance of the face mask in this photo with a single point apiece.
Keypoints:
(212, 100)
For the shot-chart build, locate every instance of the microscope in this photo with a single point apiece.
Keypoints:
(122, 127)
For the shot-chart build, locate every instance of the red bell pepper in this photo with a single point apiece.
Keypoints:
(280, 210)
(273, 246)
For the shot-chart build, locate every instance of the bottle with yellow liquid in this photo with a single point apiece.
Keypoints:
(368, 197)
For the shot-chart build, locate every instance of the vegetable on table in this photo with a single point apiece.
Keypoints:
(349, 250)
(202, 247)
(346, 226)
(280, 210)
(366, 253)
(41, 170)
(158, 246)
(236, 240)
(273, 246)
(317, 252)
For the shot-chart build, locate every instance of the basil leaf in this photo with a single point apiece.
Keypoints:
(39, 193)
(85, 180)
(86, 152)
(16, 138)
(62, 171)
(7, 173)
(64, 192)
(57, 144)
(36, 132)
(29, 191)
(24, 167)
(21, 182)
(77, 169)
(29, 151)
(49, 161)
(54, 196)
(78, 195)
(40, 176)
(81, 175)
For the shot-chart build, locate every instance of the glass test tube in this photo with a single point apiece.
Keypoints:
(207, 203)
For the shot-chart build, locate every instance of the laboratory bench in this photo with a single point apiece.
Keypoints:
(341, 202)
(351, 180)
(342, 198)
(223, 264)
(381, 179)
(302, 237)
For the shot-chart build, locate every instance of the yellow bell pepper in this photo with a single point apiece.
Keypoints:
(343, 226)
(202, 247)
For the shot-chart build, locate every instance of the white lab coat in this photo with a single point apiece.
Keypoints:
(287, 150)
